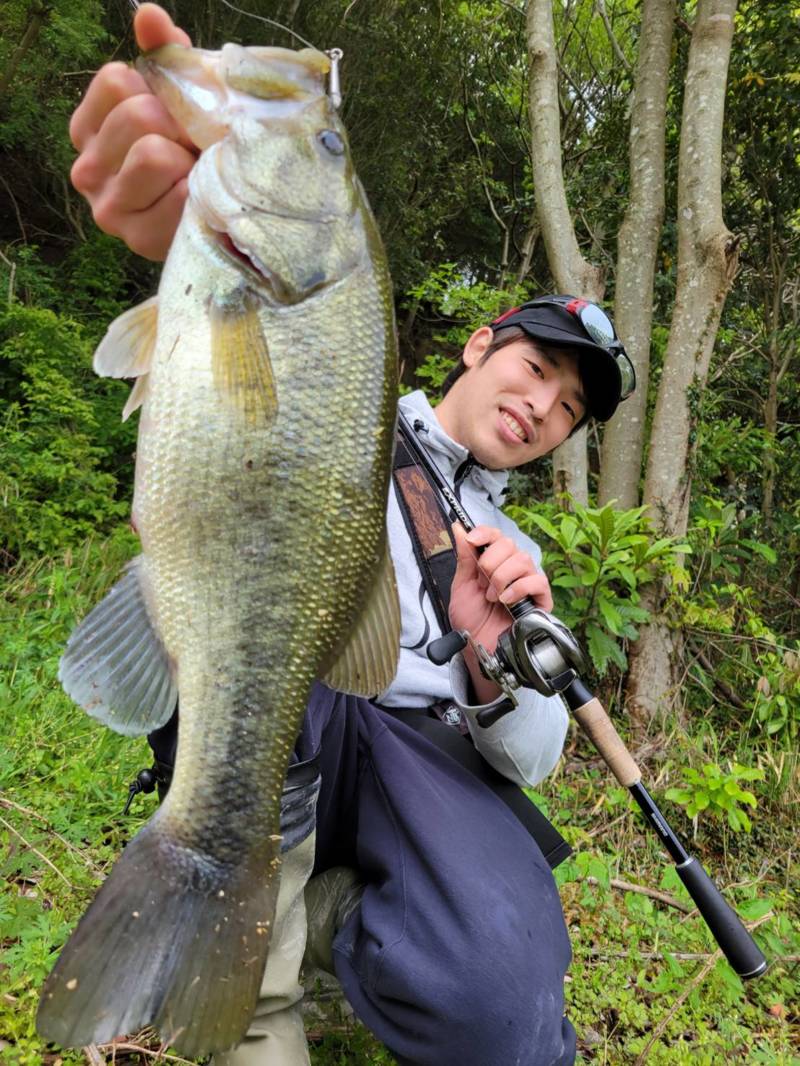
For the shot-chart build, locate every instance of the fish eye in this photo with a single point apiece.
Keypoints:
(332, 141)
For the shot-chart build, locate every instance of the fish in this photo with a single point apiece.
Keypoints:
(266, 373)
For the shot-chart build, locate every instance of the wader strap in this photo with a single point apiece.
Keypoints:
(429, 529)
(449, 740)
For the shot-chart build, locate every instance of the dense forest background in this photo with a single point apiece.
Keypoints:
(437, 104)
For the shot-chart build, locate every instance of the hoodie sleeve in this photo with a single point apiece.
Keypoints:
(525, 744)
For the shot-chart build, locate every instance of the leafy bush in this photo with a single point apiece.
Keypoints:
(596, 562)
(64, 454)
(718, 793)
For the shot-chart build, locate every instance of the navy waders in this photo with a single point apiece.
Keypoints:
(457, 954)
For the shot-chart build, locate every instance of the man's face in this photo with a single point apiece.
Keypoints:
(518, 405)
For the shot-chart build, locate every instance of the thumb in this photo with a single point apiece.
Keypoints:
(153, 28)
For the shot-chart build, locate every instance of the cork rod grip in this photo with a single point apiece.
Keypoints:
(594, 721)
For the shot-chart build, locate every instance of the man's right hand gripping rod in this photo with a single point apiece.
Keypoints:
(537, 651)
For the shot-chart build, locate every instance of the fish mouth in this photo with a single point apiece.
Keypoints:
(251, 263)
(267, 279)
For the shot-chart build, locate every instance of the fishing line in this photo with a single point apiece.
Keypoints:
(250, 14)
(272, 22)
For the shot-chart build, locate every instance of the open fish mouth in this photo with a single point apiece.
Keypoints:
(254, 265)
(268, 279)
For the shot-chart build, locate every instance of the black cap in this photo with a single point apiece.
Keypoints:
(548, 320)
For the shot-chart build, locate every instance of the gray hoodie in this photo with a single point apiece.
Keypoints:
(526, 744)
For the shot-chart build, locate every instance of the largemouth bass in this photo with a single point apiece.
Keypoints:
(266, 375)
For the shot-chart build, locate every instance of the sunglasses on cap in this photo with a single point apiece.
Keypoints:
(597, 326)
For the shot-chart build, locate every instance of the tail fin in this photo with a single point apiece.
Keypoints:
(173, 939)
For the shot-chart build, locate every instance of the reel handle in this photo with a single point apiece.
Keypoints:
(442, 650)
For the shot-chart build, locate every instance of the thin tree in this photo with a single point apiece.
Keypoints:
(637, 249)
(571, 272)
(707, 258)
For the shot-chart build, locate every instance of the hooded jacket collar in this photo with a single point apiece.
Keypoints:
(448, 454)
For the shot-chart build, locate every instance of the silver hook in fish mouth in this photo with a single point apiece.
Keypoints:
(334, 84)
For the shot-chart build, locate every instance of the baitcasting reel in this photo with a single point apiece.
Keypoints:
(536, 651)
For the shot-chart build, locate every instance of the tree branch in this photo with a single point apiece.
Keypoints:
(600, 7)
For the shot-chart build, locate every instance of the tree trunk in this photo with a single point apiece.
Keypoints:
(623, 440)
(707, 260)
(36, 20)
(571, 272)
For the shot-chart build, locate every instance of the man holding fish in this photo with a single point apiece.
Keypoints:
(432, 899)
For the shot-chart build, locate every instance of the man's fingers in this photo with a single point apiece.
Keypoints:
(149, 233)
(467, 566)
(153, 28)
(141, 116)
(534, 585)
(464, 550)
(114, 82)
(152, 167)
(519, 565)
(497, 552)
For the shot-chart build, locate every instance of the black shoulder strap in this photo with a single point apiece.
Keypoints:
(428, 527)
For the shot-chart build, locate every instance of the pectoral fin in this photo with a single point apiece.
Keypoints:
(127, 349)
(240, 359)
(115, 665)
(368, 662)
(136, 397)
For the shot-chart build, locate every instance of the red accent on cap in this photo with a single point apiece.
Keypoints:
(574, 306)
(505, 315)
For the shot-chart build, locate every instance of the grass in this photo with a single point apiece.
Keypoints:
(645, 985)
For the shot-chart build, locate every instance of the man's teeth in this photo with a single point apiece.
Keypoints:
(513, 425)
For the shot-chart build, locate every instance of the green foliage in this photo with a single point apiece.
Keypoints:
(630, 964)
(719, 548)
(738, 659)
(777, 699)
(597, 559)
(61, 442)
(717, 793)
(63, 779)
(463, 305)
(731, 450)
(470, 302)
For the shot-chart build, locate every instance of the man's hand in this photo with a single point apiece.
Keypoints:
(134, 158)
(483, 584)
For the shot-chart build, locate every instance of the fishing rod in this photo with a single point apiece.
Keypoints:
(538, 651)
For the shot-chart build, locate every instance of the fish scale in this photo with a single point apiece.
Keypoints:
(267, 383)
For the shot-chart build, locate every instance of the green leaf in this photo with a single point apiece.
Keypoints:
(753, 909)
(610, 614)
(567, 581)
(544, 524)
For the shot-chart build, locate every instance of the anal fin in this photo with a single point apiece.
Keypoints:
(367, 663)
(115, 664)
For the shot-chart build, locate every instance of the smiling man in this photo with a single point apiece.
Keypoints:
(433, 900)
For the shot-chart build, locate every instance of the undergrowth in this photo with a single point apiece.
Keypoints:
(644, 986)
